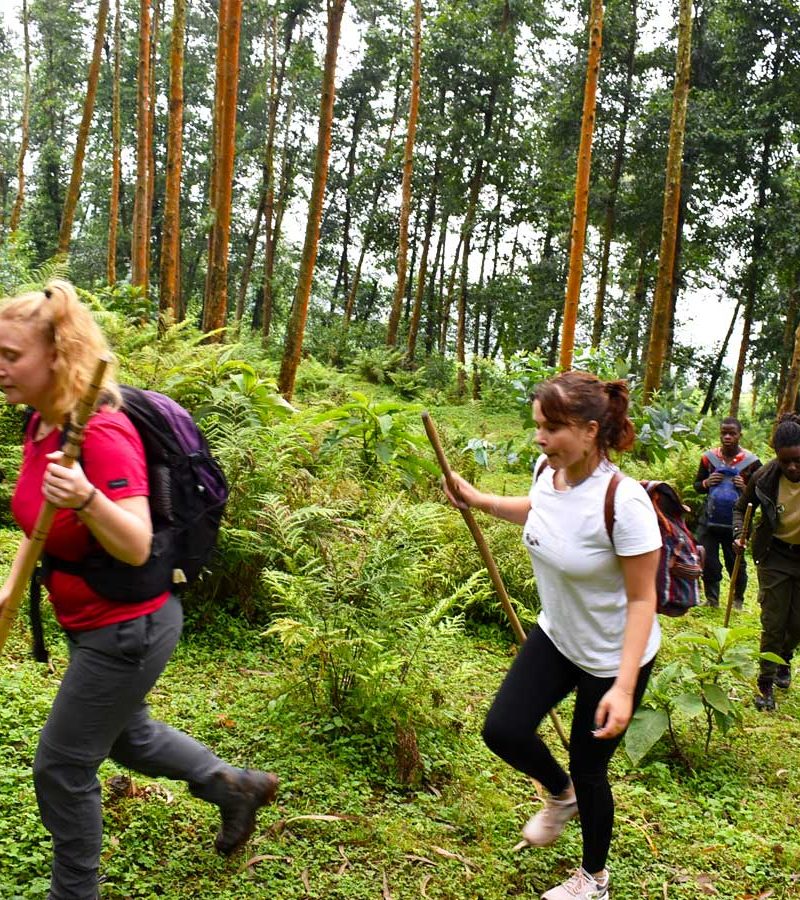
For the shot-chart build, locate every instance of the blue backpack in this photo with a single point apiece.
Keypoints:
(723, 496)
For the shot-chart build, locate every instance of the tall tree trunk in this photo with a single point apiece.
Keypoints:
(447, 300)
(582, 186)
(272, 216)
(416, 312)
(789, 399)
(639, 294)
(613, 188)
(408, 165)
(469, 220)
(369, 228)
(140, 238)
(433, 309)
(116, 151)
(771, 136)
(717, 370)
(169, 301)
(16, 212)
(343, 269)
(151, 164)
(666, 261)
(788, 334)
(297, 321)
(216, 296)
(247, 266)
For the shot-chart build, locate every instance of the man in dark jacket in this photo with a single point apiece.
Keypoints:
(722, 475)
(776, 553)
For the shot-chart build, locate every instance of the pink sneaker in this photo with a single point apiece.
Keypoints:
(582, 886)
(546, 826)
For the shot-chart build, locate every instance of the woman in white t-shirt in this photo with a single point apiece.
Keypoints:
(597, 632)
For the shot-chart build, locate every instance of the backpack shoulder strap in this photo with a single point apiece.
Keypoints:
(539, 469)
(608, 509)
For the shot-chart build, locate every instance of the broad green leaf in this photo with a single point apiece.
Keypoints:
(385, 451)
(644, 731)
(772, 657)
(690, 705)
(717, 698)
(385, 423)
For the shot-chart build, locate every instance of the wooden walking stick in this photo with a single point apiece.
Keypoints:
(72, 450)
(737, 563)
(486, 555)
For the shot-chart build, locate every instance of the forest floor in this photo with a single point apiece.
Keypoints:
(726, 825)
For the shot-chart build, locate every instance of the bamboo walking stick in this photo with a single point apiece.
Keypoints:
(486, 555)
(737, 564)
(72, 451)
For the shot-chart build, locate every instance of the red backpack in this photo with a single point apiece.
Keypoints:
(681, 564)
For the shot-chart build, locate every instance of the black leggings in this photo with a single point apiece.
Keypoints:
(539, 678)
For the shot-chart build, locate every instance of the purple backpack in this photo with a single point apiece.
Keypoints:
(188, 492)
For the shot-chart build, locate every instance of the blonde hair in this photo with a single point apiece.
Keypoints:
(68, 325)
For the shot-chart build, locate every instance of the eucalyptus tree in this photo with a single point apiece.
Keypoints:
(116, 150)
(68, 213)
(140, 238)
(577, 242)
(663, 295)
(25, 129)
(58, 75)
(297, 320)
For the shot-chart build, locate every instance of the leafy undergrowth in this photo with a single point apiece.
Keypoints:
(345, 828)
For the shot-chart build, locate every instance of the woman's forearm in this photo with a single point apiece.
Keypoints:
(122, 527)
(512, 509)
(638, 626)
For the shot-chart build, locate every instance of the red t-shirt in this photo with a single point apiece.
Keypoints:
(114, 462)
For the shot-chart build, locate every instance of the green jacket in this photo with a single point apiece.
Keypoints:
(761, 490)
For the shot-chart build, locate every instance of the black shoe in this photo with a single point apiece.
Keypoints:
(783, 677)
(247, 792)
(712, 601)
(765, 699)
(738, 604)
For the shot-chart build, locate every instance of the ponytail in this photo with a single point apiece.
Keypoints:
(616, 427)
(579, 398)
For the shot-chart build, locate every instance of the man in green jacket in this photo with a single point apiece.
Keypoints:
(776, 552)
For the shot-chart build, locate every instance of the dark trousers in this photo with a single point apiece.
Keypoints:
(714, 540)
(779, 596)
(539, 678)
(99, 712)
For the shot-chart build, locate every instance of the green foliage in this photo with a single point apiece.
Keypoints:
(701, 683)
(665, 425)
(382, 431)
(376, 364)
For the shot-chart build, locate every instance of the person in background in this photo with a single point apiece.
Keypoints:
(776, 552)
(597, 633)
(722, 475)
(49, 344)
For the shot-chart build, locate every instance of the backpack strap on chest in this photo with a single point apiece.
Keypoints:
(539, 469)
(608, 507)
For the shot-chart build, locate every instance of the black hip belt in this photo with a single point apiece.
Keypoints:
(791, 549)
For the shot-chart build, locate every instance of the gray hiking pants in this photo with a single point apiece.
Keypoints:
(99, 712)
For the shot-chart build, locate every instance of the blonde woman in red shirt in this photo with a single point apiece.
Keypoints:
(49, 343)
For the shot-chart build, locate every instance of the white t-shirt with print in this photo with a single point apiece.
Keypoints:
(578, 575)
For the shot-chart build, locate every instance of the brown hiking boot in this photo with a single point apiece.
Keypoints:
(246, 792)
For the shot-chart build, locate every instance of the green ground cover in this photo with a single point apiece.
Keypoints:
(391, 793)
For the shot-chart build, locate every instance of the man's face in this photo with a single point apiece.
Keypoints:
(729, 436)
(789, 461)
